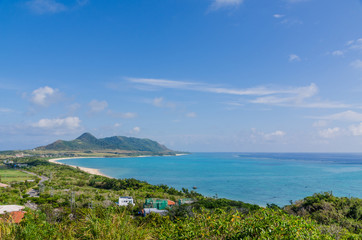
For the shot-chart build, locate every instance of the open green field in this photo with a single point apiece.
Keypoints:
(11, 175)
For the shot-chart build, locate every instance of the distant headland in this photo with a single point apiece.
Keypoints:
(87, 145)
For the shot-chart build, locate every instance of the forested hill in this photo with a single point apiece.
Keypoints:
(88, 142)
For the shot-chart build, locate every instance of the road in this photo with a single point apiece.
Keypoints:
(32, 192)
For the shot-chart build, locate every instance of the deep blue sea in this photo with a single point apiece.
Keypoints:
(258, 178)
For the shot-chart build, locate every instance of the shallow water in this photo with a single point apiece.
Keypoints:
(258, 178)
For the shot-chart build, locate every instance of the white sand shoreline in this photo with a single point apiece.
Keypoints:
(94, 170)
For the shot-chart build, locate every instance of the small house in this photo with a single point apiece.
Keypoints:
(3, 185)
(160, 204)
(125, 201)
(11, 213)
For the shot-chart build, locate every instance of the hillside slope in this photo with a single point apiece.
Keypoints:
(88, 142)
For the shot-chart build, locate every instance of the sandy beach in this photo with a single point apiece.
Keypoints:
(88, 170)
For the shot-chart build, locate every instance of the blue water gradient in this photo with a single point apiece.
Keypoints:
(258, 178)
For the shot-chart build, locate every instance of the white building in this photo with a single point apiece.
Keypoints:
(125, 201)
(10, 208)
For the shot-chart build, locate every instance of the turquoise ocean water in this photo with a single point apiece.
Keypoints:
(258, 178)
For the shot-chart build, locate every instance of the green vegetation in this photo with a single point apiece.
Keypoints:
(12, 175)
(77, 205)
(337, 212)
(87, 142)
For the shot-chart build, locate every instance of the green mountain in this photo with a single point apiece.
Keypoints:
(87, 142)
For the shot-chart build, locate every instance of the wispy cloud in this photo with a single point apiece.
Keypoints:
(357, 64)
(257, 91)
(287, 97)
(191, 114)
(218, 4)
(46, 6)
(162, 82)
(298, 98)
(278, 15)
(296, 1)
(294, 58)
(355, 44)
(126, 115)
(320, 123)
(162, 103)
(346, 116)
(350, 46)
(6, 110)
(52, 6)
(97, 106)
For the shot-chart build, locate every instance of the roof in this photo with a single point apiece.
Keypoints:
(169, 202)
(126, 197)
(15, 217)
(10, 208)
(3, 185)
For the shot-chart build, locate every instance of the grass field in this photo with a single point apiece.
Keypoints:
(10, 175)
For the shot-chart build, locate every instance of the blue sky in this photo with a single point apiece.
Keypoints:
(195, 75)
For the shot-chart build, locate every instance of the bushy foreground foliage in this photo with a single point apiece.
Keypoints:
(339, 212)
(117, 223)
(76, 205)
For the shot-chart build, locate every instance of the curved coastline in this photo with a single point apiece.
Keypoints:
(93, 171)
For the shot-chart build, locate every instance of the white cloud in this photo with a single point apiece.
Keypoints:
(273, 135)
(355, 44)
(329, 132)
(357, 64)
(259, 136)
(191, 114)
(348, 116)
(217, 4)
(58, 125)
(46, 6)
(356, 130)
(278, 16)
(98, 106)
(294, 58)
(338, 53)
(135, 130)
(44, 96)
